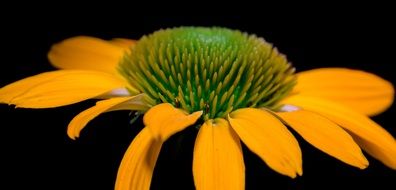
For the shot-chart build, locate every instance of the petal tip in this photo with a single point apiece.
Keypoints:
(197, 113)
(300, 172)
(365, 163)
(292, 175)
(71, 135)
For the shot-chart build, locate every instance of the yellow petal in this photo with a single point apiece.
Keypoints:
(362, 91)
(163, 119)
(218, 160)
(87, 53)
(326, 136)
(267, 137)
(113, 104)
(137, 166)
(123, 42)
(368, 134)
(58, 88)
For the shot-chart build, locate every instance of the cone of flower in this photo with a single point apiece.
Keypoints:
(233, 87)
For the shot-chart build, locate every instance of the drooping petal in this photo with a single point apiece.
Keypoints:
(137, 166)
(113, 104)
(368, 134)
(326, 136)
(218, 160)
(362, 91)
(267, 137)
(88, 53)
(123, 42)
(58, 88)
(163, 119)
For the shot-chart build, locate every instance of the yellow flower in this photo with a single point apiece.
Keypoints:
(231, 86)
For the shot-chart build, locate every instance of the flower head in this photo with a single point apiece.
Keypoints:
(215, 70)
(234, 87)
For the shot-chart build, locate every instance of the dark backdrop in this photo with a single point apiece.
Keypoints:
(37, 154)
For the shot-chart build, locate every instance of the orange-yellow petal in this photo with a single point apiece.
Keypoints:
(137, 166)
(362, 91)
(113, 104)
(368, 134)
(326, 136)
(163, 119)
(58, 88)
(218, 160)
(267, 137)
(123, 42)
(87, 53)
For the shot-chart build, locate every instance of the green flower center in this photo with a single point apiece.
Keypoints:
(216, 70)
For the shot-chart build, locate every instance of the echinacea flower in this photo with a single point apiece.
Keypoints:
(233, 87)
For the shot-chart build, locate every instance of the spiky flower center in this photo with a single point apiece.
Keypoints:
(216, 70)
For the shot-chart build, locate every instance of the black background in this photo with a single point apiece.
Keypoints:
(37, 154)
